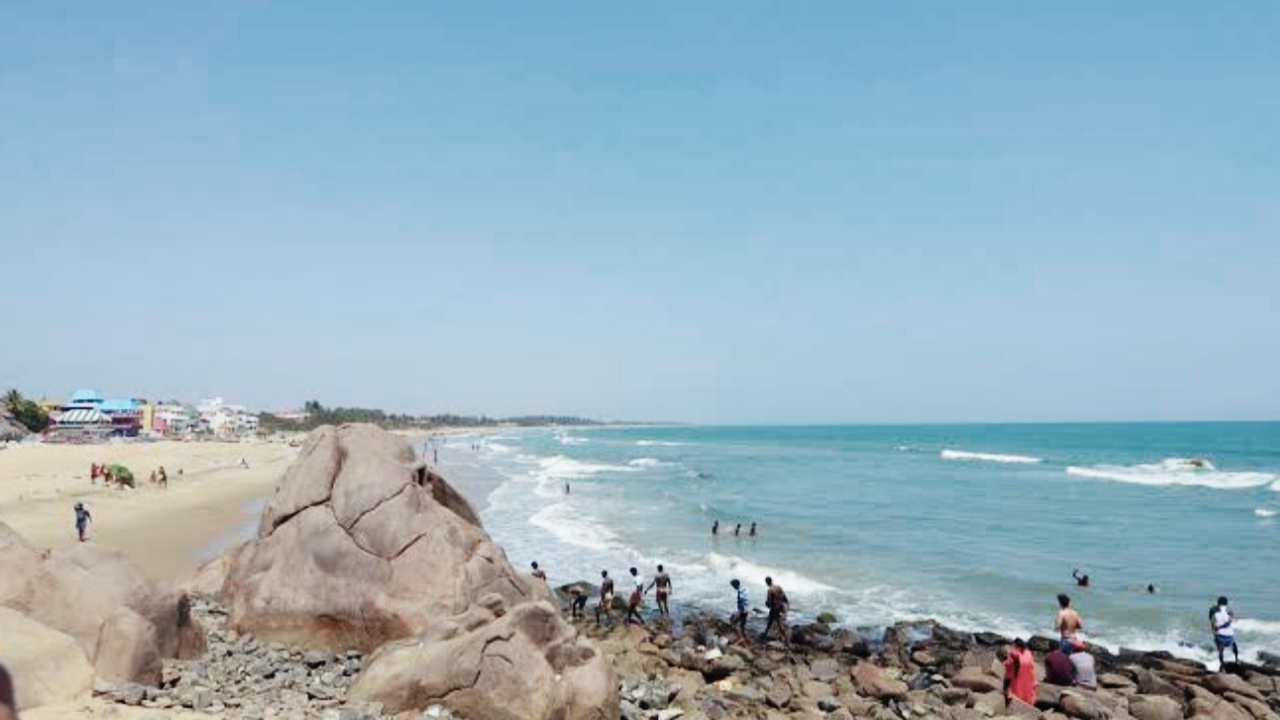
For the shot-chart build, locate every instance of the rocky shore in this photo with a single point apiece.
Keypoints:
(372, 591)
(913, 671)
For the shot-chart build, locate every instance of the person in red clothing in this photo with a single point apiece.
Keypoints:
(1020, 673)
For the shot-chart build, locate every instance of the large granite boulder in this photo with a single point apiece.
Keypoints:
(526, 664)
(361, 545)
(47, 666)
(84, 591)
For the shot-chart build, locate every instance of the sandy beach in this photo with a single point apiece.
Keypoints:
(166, 531)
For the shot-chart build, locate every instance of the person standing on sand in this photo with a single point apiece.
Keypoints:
(606, 597)
(8, 701)
(776, 601)
(1069, 624)
(1020, 673)
(538, 572)
(739, 618)
(164, 477)
(82, 520)
(93, 473)
(1222, 619)
(662, 584)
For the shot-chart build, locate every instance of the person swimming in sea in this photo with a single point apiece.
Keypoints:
(752, 532)
(737, 530)
(1081, 580)
(715, 528)
(1152, 589)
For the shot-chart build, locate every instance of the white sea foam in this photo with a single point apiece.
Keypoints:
(1276, 486)
(571, 526)
(1175, 471)
(988, 457)
(553, 471)
(1264, 512)
(646, 463)
(662, 443)
(571, 440)
(1258, 627)
(498, 447)
(732, 565)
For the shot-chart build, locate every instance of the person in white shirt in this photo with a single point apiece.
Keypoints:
(1222, 619)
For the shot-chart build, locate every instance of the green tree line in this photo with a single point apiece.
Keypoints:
(27, 412)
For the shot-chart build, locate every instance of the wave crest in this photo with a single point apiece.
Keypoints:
(1264, 512)
(1175, 471)
(988, 457)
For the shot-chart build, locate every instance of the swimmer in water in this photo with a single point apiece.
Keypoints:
(1152, 589)
(752, 532)
(715, 528)
(737, 530)
(1081, 580)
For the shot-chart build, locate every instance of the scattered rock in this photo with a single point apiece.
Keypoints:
(1155, 707)
(872, 681)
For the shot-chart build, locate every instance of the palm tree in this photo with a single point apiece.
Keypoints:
(14, 400)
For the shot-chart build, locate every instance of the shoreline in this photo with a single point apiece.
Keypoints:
(169, 531)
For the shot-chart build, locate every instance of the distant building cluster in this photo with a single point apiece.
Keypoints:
(89, 415)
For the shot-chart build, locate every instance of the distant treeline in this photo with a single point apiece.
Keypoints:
(317, 415)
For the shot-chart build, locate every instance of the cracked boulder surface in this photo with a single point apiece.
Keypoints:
(362, 545)
(525, 664)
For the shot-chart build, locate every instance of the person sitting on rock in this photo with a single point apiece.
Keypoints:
(739, 618)
(1058, 669)
(637, 595)
(8, 703)
(1020, 673)
(1086, 667)
(538, 572)
(606, 597)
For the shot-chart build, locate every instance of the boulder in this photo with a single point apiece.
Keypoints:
(48, 667)
(361, 545)
(1019, 709)
(975, 679)
(872, 682)
(1085, 707)
(80, 589)
(128, 650)
(1223, 683)
(1155, 707)
(527, 664)
(1152, 683)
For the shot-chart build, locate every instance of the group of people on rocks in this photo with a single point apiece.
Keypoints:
(775, 601)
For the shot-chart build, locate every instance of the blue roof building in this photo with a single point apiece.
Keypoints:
(85, 399)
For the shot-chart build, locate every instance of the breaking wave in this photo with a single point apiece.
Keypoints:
(1175, 471)
(987, 457)
(1264, 513)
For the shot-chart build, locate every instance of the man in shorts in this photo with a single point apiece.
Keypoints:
(1069, 624)
(606, 597)
(776, 601)
(1223, 619)
(662, 586)
(637, 595)
(739, 618)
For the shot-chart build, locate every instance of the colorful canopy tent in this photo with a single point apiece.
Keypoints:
(82, 417)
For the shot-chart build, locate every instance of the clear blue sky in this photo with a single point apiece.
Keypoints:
(711, 212)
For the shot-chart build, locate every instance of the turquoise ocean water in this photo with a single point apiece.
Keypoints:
(977, 526)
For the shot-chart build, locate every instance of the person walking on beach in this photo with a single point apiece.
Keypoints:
(94, 471)
(637, 595)
(1020, 673)
(82, 520)
(1069, 624)
(1222, 619)
(538, 572)
(662, 585)
(739, 618)
(776, 601)
(164, 477)
(606, 597)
